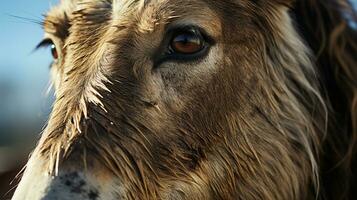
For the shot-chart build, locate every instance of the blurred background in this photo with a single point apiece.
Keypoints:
(24, 74)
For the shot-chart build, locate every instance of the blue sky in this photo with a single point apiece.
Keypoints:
(23, 73)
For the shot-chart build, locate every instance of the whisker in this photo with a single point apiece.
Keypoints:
(26, 19)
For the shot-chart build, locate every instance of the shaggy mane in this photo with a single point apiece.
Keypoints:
(326, 26)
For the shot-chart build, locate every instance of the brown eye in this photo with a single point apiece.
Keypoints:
(51, 44)
(189, 42)
(54, 51)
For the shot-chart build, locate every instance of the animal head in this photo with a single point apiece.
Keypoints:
(195, 99)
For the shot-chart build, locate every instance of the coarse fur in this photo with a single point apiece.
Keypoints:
(269, 113)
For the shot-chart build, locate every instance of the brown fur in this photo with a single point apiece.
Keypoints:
(271, 119)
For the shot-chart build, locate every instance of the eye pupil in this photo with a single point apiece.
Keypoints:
(187, 43)
(54, 51)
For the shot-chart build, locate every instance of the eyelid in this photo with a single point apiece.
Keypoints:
(44, 43)
(191, 28)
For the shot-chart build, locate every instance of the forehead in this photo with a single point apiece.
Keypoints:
(143, 14)
(126, 7)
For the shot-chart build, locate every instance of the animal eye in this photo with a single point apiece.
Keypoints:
(51, 44)
(187, 42)
(184, 44)
(54, 51)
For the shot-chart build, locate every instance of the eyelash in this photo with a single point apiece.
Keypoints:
(44, 43)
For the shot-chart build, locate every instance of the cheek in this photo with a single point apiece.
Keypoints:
(180, 82)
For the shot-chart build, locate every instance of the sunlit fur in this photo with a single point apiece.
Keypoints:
(270, 113)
